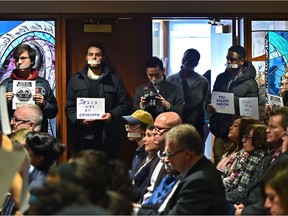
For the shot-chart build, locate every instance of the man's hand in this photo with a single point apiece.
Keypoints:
(106, 117)
(211, 109)
(39, 99)
(239, 207)
(9, 96)
(161, 101)
(143, 102)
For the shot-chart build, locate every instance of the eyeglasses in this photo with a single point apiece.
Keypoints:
(23, 58)
(20, 121)
(169, 154)
(131, 127)
(160, 131)
(246, 138)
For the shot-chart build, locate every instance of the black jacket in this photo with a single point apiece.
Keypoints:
(50, 109)
(244, 86)
(112, 89)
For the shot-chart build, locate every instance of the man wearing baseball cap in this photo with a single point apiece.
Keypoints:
(135, 127)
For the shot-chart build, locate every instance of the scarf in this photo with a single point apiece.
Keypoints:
(15, 74)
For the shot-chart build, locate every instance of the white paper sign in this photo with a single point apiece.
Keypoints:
(90, 108)
(249, 107)
(275, 101)
(14, 160)
(24, 91)
(223, 102)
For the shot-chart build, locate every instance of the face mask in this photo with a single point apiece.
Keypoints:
(232, 66)
(25, 66)
(133, 135)
(94, 62)
(156, 81)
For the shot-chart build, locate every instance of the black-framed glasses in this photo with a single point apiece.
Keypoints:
(170, 154)
(160, 131)
(246, 138)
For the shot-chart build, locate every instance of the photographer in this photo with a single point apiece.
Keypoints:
(158, 95)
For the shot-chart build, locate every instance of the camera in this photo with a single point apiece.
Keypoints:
(150, 92)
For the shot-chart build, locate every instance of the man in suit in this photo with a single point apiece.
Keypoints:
(163, 123)
(276, 137)
(199, 188)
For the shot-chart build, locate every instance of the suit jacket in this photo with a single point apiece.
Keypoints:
(160, 176)
(254, 204)
(200, 192)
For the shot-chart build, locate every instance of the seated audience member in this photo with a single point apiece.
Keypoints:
(100, 191)
(27, 116)
(163, 123)
(141, 177)
(277, 124)
(137, 123)
(234, 153)
(53, 198)
(275, 191)
(198, 189)
(239, 183)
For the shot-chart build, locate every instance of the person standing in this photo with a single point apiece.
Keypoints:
(97, 80)
(158, 95)
(239, 79)
(24, 56)
(194, 87)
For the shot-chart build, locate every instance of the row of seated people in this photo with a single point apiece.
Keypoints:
(191, 183)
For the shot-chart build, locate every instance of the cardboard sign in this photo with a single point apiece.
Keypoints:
(90, 108)
(249, 107)
(24, 91)
(223, 102)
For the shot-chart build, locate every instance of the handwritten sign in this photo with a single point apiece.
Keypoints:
(275, 101)
(90, 108)
(249, 107)
(223, 102)
(24, 91)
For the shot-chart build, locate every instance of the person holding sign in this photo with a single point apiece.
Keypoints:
(98, 126)
(26, 86)
(239, 79)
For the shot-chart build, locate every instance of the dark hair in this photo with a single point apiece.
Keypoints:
(99, 46)
(239, 50)
(154, 62)
(277, 179)
(18, 50)
(282, 111)
(46, 145)
(244, 122)
(191, 57)
(259, 138)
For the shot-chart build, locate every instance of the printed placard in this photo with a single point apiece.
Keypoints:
(249, 107)
(90, 108)
(223, 102)
(24, 91)
(275, 101)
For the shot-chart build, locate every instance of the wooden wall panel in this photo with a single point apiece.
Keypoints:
(127, 48)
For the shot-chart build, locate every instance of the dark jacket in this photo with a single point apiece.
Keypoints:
(169, 91)
(199, 192)
(112, 89)
(50, 109)
(244, 86)
(194, 90)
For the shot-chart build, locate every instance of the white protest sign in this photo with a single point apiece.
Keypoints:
(223, 102)
(13, 160)
(24, 91)
(275, 101)
(90, 108)
(249, 107)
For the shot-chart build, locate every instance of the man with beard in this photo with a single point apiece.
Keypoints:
(97, 80)
(158, 95)
(239, 79)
